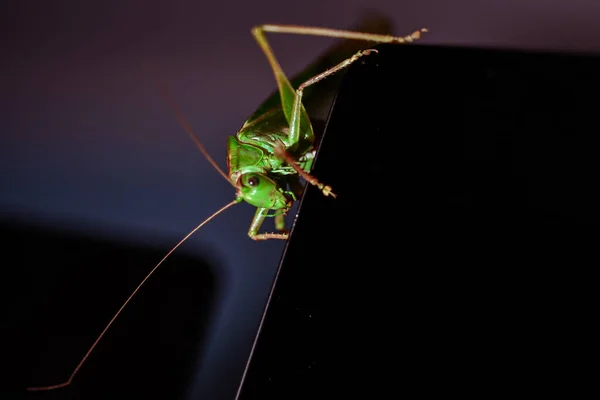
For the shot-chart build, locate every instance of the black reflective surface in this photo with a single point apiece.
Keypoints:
(457, 258)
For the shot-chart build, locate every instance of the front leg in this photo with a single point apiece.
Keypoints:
(297, 112)
(297, 109)
(259, 218)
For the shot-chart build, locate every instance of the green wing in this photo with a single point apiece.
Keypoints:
(317, 99)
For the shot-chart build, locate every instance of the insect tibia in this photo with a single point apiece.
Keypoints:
(269, 236)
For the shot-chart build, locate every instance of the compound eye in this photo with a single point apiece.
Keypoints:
(253, 181)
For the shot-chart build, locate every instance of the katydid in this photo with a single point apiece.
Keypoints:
(274, 149)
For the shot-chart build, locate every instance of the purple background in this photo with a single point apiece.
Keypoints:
(86, 141)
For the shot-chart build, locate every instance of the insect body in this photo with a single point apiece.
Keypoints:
(264, 163)
(276, 145)
(273, 149)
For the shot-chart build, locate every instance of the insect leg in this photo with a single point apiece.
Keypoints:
(295, 119)
(297, 105)
(292, 100)
(257, 221)
(280, 222)
(340, 33)
(285, 86)
(286, 91)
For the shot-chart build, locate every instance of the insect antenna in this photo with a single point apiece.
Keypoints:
(186, 126)
(85, 357)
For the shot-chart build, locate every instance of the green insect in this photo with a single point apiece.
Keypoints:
(274, 148)
(276, 145)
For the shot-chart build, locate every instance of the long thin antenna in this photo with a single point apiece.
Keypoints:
(68, 382)
(186, 126)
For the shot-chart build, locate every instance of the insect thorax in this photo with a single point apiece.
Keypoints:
(252, 149)
(254, 157)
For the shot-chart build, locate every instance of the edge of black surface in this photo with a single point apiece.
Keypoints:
(528, 274)
(320, 131)
(320, 128)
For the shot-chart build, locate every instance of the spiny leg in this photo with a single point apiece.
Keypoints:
(286, 90)
(340, 33)
(296, 108)
(296, 112)
(291, 100)
(257, 221)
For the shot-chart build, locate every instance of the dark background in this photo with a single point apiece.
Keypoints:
(87, 144)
